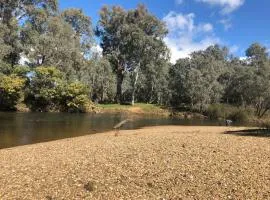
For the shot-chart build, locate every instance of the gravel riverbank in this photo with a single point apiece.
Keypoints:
(169, 162)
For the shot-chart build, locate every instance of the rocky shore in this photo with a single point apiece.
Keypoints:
(169, 162)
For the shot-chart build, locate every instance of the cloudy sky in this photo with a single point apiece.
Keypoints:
(196, 24)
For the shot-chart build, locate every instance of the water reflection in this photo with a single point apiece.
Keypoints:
(27, 128)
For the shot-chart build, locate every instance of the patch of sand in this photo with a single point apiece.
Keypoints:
(170, 162)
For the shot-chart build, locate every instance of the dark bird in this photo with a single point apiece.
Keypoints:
(119, 125)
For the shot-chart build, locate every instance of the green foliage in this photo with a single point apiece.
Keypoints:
(132, 40)
(10, 91)
(98, 75)
(21, 71)
(217, 111)
(239, 115)
(225, 111)
(44, 90)
(48, 91)
(196, 81)
(74, 98)
(134, 66)
(5, 68)
(257, 54)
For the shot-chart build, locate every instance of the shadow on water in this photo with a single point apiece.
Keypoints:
(251, 132)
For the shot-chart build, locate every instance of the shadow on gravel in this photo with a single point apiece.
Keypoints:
(251, 132)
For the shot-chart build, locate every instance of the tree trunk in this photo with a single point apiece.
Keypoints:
(136, 71)
(120, 78)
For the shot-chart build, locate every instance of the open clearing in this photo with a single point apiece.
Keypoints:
(169, 162)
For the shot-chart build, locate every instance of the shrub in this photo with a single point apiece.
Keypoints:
(5, 68)
(215, 111)
(21, 71)
(224, 111)
(48, 91)
(10, 91)
(239, 116)
(219, 111)
(44, 90)
(75, 98)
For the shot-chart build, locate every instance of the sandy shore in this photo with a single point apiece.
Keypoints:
(170, 162)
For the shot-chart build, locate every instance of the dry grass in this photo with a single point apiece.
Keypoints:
(152, 163)
(138, 108)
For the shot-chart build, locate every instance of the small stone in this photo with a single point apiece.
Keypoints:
(90, 186)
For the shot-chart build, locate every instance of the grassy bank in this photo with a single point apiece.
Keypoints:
(138, 108)
(170, 162)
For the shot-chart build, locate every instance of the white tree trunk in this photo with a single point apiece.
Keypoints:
(136, 71)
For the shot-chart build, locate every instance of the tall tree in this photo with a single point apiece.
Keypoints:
(59, 41)
(257, 54)
(130, 39)
(14, 12)
(82, 26)
(196, 81)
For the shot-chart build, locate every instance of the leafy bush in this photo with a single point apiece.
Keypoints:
(21, 71)
(44, 90)
(48, 91)
(216, 111)
(239, 116)
(219, 111)
(5, 68)
(10, 91)
(75, 98)
(224, 111)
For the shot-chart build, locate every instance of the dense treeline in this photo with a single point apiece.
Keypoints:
(64, 72)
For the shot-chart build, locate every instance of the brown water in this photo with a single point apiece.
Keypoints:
(28, 128)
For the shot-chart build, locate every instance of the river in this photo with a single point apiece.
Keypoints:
(27, 128)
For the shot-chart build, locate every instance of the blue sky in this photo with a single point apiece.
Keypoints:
(196, 24)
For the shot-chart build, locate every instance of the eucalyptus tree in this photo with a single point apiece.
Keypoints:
(82, 26)
(12, 14)
(99, 76)
(11, 46)
(51, 42)
(153, 84)
(259, 60)
(257, 54)
(131, 40)
(178, 76)
(63, 40)
(195, 81)
(24, 8)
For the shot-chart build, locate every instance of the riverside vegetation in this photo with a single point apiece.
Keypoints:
(63, 71)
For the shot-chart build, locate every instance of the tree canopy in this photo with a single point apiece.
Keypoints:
(63, 71)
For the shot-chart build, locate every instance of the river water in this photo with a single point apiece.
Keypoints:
(27, 128)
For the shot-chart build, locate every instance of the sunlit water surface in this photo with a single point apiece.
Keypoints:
(28, 128)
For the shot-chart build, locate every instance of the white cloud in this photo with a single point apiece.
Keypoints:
(243, 58)
(176, 21)
(96, 49)
(234, 49)
(228, 6)
(206, 27)
(226, 23)
(178, 2)
(185, 36)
